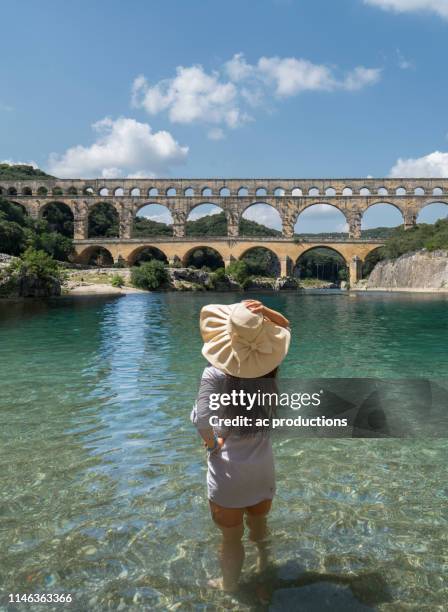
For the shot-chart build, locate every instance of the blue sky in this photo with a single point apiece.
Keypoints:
(281, 88)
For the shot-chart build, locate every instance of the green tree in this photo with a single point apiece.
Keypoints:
(103, 221)
(238, 270)
(149, 275)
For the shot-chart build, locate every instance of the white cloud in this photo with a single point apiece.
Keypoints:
(204, 210)
(440, 7)
(224, 98)
(216, 133)
(432, 165)
(264, 214)
(122, 146)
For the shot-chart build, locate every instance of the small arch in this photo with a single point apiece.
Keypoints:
(72, 191)
(206, 219)
(42, 191)
(382, 191)
(432, 212)
(189, 192)
(171, 192)
(322, 264)
(243, 191)
(224, 192)
(260, 219)
(261, 191)
(296, 192)
(437, 191)
(57, 191)
(97, 256)
(321, 219)
(261, 261)
(313, 191)
(153, 191)
(203, 257)
(152, 220)
(330, 191)
(381, 214)
(206, 192)
(88, 190)
(279, 192)
(12, 191)
(364, 191)
(119, 192)
(347, 191)
(104, 191)
(27, 191)
(59, 217)
(135, 192)
(419, 191)
(103, 221)
(400, 191)
(146, 253)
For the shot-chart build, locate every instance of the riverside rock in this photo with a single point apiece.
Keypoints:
(419, 270)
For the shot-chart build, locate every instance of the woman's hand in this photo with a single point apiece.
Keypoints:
(254, 306)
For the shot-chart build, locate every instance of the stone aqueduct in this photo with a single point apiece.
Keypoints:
(180, 196)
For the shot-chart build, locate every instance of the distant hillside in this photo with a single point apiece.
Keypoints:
(19, 172)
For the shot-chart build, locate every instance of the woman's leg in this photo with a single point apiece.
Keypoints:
(257, 523)
(230, 522)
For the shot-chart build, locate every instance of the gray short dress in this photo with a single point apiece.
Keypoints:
(242, 473)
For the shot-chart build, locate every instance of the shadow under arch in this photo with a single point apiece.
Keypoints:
(261, 261)
(212, 221)
(103, 221)
(370, 260)
(152, 219)
(323, 217)
(96, 255)
(322, 263)
(146, 253)
(260, 219)
(201, 256)
(59, 216)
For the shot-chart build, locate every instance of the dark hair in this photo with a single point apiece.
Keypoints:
(266, 384)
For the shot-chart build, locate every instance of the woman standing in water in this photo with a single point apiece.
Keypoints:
(244, 344)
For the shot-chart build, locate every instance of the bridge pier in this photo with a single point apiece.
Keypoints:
(286, 266)
(355, 270)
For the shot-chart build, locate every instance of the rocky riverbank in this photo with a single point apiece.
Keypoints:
(421, 271)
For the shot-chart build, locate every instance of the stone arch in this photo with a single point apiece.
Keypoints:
(144, 253)
(152, 219)
(119, 192)
(27, 191)
(224, 192)
(347, 191)
(364, 191)
(171, 192)
(296, 192)
(57, 191)
(243, 192)
(201, 256)
(103, 221)
(437, 191)
(59, 216)
(370, 261)
(153, 191)
(12, 191)
(22, 207)
(330, 191)
(42, 191)
(189, 192)
(261, 191)
(419, 191)
(207, 192)
(96, 255)
(88, 190)
(432, 211)
(257, 212)
(261, 261)
(279, 192)
(103, 192)
(370, 221)
(321, 217)
(382, 191)
(313, 191)
(212, 221)
(72, 191)
(323, 263)
(400, 191)
(135, 192)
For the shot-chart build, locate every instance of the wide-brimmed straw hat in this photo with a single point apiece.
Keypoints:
(240, 342)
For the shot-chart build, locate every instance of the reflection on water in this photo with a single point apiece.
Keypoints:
(102, 478)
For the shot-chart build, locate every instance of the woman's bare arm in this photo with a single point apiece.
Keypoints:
(259, 308)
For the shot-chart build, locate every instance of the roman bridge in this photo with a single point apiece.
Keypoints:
(290, 197)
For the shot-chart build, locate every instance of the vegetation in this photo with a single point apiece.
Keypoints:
(421, 236)
(238, 270)
(103, 221)
(205, 258)
(37, 263)
(144, 227)
(117, 280)
(149, 275)
(20, 172)
(322, 264)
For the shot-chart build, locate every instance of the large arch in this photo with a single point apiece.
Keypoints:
(322, 263)
(145, 253)
(96, 255)
(59, 217)
(206, 219)
(432, 212)
(370, 261)
(203, 257)
(103, 221)
(152, 219)
(321, 218)
(382, 214)
(261, 261)
(260, 219)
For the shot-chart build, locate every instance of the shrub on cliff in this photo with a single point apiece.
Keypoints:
(35, 274)
(238, 270)
(150, 275)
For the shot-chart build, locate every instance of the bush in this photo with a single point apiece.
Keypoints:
(117, 280)
(37, 263)
(238, 270)
(149, 275)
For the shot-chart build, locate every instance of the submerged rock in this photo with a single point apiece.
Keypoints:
(419, 270)
(31, 285)
(286, 282)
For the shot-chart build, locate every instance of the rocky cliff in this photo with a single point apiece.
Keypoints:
(422, 270)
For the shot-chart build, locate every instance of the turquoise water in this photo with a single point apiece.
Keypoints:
(102, 477)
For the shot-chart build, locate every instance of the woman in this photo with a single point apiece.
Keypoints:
(244, 344)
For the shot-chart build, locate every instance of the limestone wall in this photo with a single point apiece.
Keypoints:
(420, 270)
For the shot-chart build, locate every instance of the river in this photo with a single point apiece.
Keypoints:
(102, 476)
